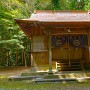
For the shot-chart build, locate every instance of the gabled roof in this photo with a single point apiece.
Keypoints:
(61, 16)
(48, 18)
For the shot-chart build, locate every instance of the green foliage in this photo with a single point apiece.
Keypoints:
(55, 4)
(87, 5)
(9, 44)
(41, 5)
(12, 42)
(77, 4)
(61, 4)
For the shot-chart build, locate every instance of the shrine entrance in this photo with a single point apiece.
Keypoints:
(70, 51)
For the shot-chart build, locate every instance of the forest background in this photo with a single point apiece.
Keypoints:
(14, 45)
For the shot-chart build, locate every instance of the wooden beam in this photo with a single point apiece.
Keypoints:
(65, 24)
(68, 34)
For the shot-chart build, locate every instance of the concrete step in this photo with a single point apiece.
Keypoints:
(54, 80)
(19, 78)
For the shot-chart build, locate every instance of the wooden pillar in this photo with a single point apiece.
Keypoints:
(89, 44)
(32, 61)
(50, 53)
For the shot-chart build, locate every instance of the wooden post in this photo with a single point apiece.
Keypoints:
(50, 53)
(89, 44)
(32, 61)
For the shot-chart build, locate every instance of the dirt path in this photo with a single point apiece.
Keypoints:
(17, 70)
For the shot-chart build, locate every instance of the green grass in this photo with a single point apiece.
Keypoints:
(28, 85)
(5, 84)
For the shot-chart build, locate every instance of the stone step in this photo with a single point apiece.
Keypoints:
(19, 78)
(54, 80)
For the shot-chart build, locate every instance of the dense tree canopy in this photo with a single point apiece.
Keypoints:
(12, 46)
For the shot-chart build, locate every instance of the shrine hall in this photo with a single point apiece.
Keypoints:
(60, 40)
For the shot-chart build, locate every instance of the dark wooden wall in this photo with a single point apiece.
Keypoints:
(39, 47)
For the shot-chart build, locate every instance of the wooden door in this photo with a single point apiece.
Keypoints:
(67, 51)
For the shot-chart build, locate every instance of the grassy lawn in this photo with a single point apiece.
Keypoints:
(5, 84)
(28, 85)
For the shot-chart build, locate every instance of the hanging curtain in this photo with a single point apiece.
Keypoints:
(57, 41)
(78, 41)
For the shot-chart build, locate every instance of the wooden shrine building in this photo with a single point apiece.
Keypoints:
(59, 39)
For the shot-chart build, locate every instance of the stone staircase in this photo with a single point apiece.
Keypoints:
(69, 65)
